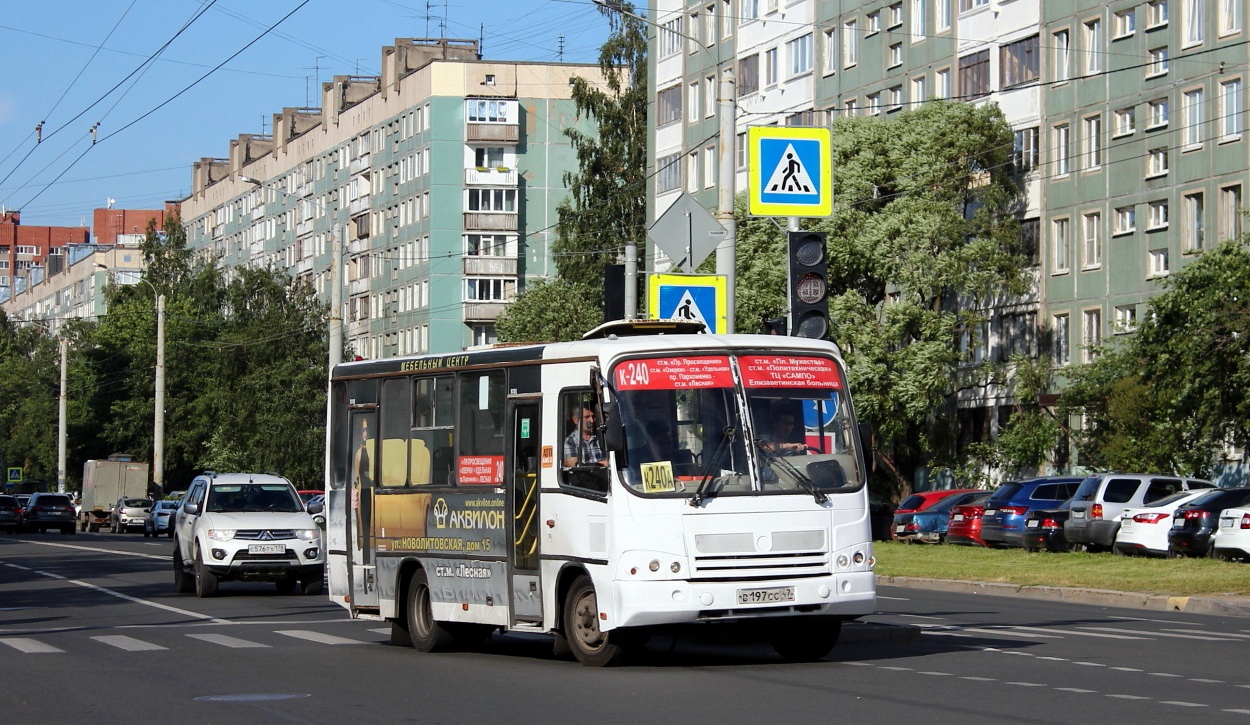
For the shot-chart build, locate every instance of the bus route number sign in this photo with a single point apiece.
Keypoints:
(658, 477)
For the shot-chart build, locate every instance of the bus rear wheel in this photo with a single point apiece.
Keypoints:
(590, 645)
(427, 635)
(804, 639)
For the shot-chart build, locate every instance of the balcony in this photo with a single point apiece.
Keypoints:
(358, 286)
(481, 176)
(490, 266)
(477, 311)
(499, 132)
(305, 227)
(359, 204)
(358, 164)
(488, 221)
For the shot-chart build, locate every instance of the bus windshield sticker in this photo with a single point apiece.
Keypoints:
(674, 373)
(788, 371)
(485, 470)
(657, 477)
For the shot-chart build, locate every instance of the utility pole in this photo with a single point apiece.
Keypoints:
(727, 250)
(61, 432)
(158, 446)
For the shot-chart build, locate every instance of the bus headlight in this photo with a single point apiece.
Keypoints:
(654, 565)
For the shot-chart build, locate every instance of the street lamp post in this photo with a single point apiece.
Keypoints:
(158, 424)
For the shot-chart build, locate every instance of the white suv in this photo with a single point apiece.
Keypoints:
(246, 526)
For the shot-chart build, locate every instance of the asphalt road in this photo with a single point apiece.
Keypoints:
(90, 630)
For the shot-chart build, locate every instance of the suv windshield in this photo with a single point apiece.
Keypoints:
(253, 497)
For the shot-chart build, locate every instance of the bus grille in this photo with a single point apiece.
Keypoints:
(749, 567)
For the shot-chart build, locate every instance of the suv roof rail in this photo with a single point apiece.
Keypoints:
(209, 473)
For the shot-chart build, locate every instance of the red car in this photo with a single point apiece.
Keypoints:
(923, 500)
(965, 524)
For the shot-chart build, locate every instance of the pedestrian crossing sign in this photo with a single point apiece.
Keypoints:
(691, 297)
(789, 171)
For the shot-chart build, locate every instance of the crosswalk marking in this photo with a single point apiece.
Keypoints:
(1202, 631)
(1154, 634)
(29, 646)
(318, 637)
(226, 640)
(1079, 634)
(130, 644)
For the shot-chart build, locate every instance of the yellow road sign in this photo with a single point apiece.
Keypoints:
(789, 171)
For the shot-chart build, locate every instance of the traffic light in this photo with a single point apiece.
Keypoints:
(809, 285)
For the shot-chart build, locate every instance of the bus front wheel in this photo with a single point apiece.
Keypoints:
(426, 634)
(590, 645)
(804, 639)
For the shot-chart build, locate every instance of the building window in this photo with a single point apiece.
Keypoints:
(1191, 106)
(850, 44)
(1125, 122)
(873, 102)
(1092, 142)
(1092, 333)
(1017, 335)
(872, 23)
(771, 67)
(749, 75)
(1061, 354)
(942, 14)
(692, 171)
(1230, 212)
(1018, 62)
(1125, 23)
(1125, 318)
(1091, 240)
(1191, 23)
(709, 96)
(917, 20)
(1158, 215)
(750, 10)
(1159, 263)
(1158, 113)
(918, 90)
(1194, 235)
(944, 83)
(896, 55)
(692, 34)
(1059, 246)
(830, 62)
(668, 176)
(709, 30)
(974, 74)
(727, 19)
(492, 200)
(487, 245)
(1158, 62)
(1030, 231)
(1025, 150)
(896, 15)
(850, 107)
(799, 52)
(1059, 45)
(1156, 13)
(1060, 148)
(670, 38)
(1157, 162)
(709, 166)
(1230, 110)
(483, 289)
(668, 106)
(1125, 219)
(1230, 17)
(895, 96)
(740, 158)
(966, 5)
(1093, 46)
(693, 102)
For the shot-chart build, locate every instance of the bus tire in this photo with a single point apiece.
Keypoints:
(590, 645)
(804, 639)
(427, 634)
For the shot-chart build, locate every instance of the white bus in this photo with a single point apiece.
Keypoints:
(596, 489)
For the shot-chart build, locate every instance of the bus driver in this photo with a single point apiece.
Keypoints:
(581, 447)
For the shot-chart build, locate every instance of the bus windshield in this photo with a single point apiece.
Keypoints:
(722, 417)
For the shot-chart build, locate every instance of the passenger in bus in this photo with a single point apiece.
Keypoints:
(581, 447)
(780, 438)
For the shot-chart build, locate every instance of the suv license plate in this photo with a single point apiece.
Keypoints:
(766, 596)
(266, 548)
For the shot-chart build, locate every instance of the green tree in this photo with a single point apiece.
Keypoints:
(606, 204)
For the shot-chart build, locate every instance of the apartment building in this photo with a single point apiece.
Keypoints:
(27, 250)
(1128, 124)
(443, 176)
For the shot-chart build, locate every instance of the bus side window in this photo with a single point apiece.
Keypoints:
(583, 461)
(432, 455)
(396, 427)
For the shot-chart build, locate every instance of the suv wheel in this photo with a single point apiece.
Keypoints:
(183, 582)
(312, 587)
(205, 580)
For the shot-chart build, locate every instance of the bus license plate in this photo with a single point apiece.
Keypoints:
(766, 596)
(266, 548)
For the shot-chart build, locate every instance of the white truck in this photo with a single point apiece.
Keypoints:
(106, 481)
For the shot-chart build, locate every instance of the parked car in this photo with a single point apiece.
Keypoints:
(49, 511)
(306, 495)
(1007, 508)
(1193, 523)
(1145, 531)
(10, 513)
(22, 500)
(1231, 541)
(880, 515)
(160, 519)
(1097, 504)
(1043, 529)
(928, 525)
(129, 513)
(964, 525)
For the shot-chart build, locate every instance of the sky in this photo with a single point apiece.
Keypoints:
(168, 82)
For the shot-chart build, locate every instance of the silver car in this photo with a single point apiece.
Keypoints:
(160, 519)
(129, 513)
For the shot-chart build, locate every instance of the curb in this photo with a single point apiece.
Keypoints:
(1228, 607)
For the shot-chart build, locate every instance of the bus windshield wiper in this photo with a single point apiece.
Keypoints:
(791, 470)
(712, 464)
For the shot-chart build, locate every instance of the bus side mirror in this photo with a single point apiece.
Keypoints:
(865, 443)
(613, 432)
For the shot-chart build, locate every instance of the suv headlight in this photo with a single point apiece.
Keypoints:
(221, 534)
(308, 534)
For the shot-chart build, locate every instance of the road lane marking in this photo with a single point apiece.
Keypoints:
(935, 674)
(1009, 633)
(1203, 679)
(226, 640)
(1127, 669)
(1165, 674)
(29, 646)
(1207, 632)
(312, 636)
(1153, 634)
(1239, 712)
(1129, 697)
(1078, 633)
(1078, 690)
(381, 630)
(145, 602)
(896, 669)
(130, 644)
(100, 550)
(1025, 684)
(1182, 703)
(894, 599)
(1089, 664)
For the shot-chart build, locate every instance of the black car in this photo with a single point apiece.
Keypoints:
(1043, 529)
(49, 511)
(1195, 522)
(10, 513)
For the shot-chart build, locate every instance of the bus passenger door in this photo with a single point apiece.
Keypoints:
(523, 572)
(361, 475)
